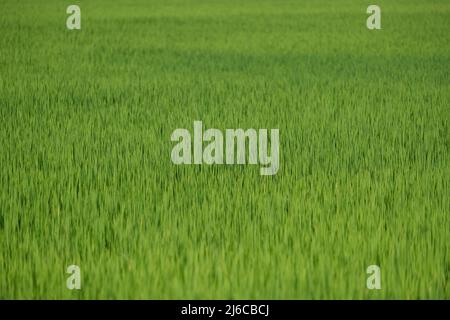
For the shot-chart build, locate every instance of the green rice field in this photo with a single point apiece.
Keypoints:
(86, 176)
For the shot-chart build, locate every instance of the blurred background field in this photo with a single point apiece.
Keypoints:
(85, 170)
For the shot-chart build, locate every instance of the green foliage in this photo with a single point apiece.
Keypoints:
(85, 170)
